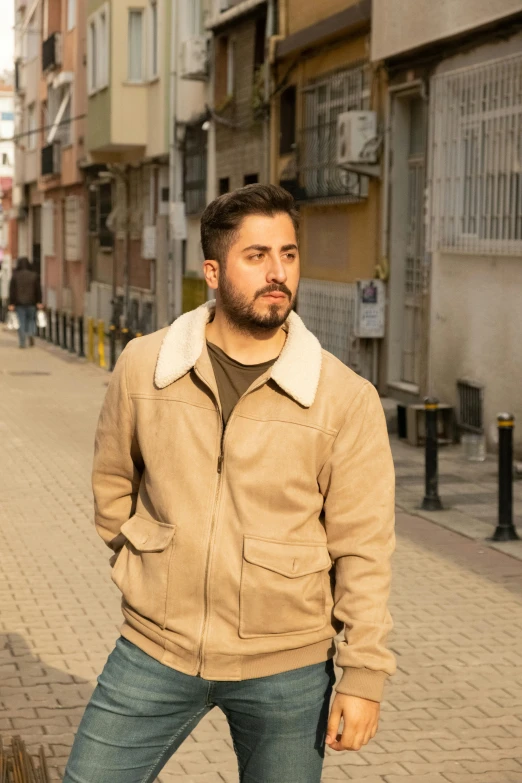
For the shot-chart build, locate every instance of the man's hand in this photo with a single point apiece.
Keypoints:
(360, 721)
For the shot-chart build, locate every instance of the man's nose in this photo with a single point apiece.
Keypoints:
(276, 272)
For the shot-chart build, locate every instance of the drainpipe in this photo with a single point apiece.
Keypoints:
(174, 281)
(126, 247)
(270, 22)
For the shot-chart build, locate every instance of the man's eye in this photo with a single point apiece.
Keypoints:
(256, 256)
(291, 256)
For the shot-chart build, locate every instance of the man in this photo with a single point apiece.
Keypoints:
(243, 478)
(25, 295)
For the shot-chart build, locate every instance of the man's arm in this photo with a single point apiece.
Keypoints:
(117, 463)
(359, 487)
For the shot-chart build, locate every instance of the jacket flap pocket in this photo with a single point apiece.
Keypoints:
(147, 535)
(287, 559)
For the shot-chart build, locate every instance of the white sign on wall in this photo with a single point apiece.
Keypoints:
(178, 220)
(148, 249)
(370, 309)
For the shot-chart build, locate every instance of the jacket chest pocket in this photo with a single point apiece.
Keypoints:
(282, 587)
(142, 567)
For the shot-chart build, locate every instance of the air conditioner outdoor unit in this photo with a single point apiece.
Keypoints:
(357, 137)
(194, 58)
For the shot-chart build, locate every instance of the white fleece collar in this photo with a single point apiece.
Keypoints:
(296, 371)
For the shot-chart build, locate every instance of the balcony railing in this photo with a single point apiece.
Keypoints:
(51, 159)
(313, 173)
(51, 52)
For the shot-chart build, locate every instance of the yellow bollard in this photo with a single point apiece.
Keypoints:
(101, 344)
(90, 339)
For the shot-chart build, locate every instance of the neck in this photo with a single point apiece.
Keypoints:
(252, 347)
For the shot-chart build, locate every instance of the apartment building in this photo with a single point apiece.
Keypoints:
(8, 243)
(50, 145)
(321, 70)
(454, 214)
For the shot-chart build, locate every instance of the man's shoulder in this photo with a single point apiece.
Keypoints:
(337, 375)
(141, 354)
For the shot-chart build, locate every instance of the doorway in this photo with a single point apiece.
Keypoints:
(408, 285)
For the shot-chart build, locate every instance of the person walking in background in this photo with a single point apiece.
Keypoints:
(25, 295)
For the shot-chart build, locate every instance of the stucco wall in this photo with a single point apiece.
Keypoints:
(400, 27)
(476, 330)
(301, 15)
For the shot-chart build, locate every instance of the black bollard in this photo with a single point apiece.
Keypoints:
(81, 351)
(125, 336)
(64, 331)
(505, 530)
(57, 328)
(431, 500)
(72, 341)
(49, 325)
(112, 346)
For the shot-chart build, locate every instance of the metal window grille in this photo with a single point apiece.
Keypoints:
(471, 406)
(328, 310)
(476, 140)
(323, 101)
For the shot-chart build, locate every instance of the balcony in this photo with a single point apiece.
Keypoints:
(312, 173)
(51, 52)
(51, 159)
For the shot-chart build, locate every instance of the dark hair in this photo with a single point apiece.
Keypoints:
(222, 218)
(22, 263)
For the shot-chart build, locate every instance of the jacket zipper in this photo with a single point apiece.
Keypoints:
(221, 459)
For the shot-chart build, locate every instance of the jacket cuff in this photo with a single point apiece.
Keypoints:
(366, 683)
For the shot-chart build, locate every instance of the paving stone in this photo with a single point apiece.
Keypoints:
(451, 714)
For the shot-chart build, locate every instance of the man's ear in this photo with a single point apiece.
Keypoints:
(211, 273)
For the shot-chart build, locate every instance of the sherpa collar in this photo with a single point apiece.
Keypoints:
(296, 371)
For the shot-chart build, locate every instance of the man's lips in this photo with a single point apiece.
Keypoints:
(274, 295)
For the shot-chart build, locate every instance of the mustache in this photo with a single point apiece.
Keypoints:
(279, 288)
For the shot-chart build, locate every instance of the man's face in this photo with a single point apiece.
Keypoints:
(258, 283)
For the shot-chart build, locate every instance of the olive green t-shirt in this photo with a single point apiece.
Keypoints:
(232, 377)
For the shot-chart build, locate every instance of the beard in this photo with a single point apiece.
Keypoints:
(241, 314)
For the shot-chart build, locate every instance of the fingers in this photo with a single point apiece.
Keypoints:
(333, 725)
(351, 739)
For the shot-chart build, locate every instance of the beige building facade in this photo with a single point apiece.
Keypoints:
(321, 69)
(453, 210)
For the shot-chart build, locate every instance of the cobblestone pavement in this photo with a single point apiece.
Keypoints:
(451, 714)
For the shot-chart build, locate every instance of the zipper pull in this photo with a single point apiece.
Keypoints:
(220, 463)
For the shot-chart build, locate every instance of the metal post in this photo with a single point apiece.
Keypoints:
(49, 325)
(125, 336)
(81, 351)
(101, 344)
(112, 338)
(72, 348)
(505, 530)
(90, 339)
(431, 500)
(64, 331)
(57, 328)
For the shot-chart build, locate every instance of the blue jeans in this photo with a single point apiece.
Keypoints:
(27, 319)
(141, 711)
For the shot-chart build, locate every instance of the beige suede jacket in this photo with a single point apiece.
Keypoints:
(244, 552)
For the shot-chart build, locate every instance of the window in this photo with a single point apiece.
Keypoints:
(260, 42)
(104, 210)
(93, 210)
(195, 158)
(5, 159)
(59, 115)
(324, 100)
(153, 16)
(98, 50)
(287, 115)
(224, 76)
(194, 20)
(71, 14)
(135, 47)
(92, 56)
(224, 185)
(476, 182)
(250, 179)
(31, 126)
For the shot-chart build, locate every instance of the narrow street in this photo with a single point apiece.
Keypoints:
(452, 713)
